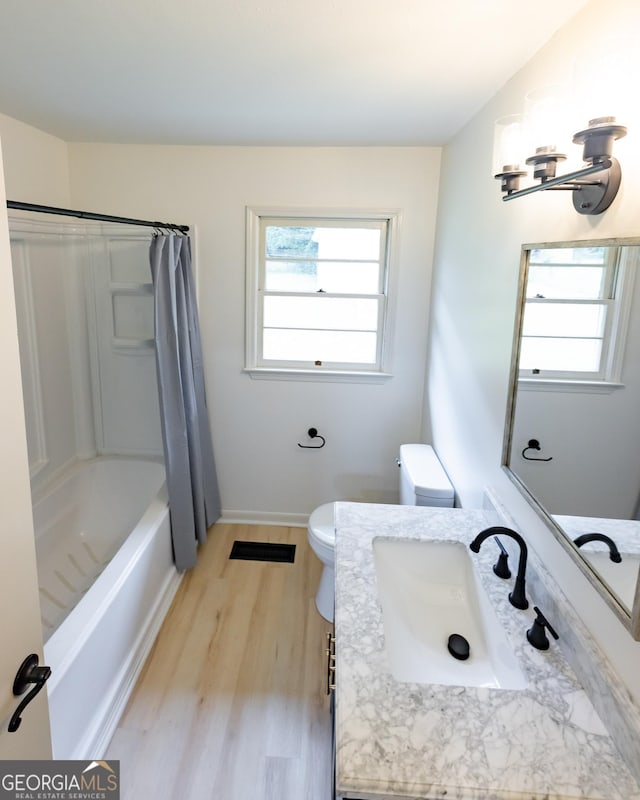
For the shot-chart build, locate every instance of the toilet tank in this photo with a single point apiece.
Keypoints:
(423, 481)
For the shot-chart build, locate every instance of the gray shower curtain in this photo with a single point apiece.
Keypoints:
(192, 483)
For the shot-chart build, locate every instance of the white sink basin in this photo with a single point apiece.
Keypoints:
(429, 591)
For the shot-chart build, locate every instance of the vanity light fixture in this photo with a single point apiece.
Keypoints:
(592, 196)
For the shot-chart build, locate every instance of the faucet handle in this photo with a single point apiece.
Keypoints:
(501, 567)
(537, 635)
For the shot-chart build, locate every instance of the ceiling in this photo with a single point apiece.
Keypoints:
(264, 72)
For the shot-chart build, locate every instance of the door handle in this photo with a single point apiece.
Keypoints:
(28, 673)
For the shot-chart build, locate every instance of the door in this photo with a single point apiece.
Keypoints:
(20, 627)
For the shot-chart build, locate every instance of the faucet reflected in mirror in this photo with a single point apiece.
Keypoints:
(575, 385)
(614, 553)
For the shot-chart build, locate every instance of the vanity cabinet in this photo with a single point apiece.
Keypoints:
(330, 656)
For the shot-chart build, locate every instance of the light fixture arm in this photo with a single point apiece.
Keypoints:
(592, 169)
(589, 197)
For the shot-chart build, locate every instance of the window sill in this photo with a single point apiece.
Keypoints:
(563, 385)
(326, 376)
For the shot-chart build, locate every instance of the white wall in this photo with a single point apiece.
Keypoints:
(36, 165)
(257, 424)
(474, 295)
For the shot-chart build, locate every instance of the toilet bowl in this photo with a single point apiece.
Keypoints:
(423, 482)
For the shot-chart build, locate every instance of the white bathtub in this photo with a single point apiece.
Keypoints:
(106, 578)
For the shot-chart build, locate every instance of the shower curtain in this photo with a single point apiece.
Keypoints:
(192, 483)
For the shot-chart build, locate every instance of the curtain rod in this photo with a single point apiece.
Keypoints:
(67, 212)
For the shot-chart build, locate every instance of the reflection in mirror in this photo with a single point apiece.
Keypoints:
(573, 432)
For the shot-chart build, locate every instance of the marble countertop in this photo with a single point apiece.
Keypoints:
(409, 740)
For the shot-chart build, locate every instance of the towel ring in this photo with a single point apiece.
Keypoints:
(534, 444)
(313, 434)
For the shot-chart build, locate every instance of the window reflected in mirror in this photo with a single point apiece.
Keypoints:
(576, 392)
(572, 317)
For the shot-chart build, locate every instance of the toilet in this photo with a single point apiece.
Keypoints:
(423, 482)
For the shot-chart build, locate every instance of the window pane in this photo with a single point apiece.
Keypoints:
(325, 242)
(563, 319)
(564, 355)
(291, 276)
(332, 277)
(333, 313)
(304, 345)
(349, 278)
(584, 283)
(348, 243)
(290, 241)
(569, 255)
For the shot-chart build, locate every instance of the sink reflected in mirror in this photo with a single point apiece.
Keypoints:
(429, 591)
(621, 578)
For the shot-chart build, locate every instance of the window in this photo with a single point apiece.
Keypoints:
(574, 315)
(317, 293)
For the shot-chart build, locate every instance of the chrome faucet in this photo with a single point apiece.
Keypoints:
(614, 553)
(517, 597)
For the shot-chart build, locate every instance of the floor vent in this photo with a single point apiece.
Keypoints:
(263, 551)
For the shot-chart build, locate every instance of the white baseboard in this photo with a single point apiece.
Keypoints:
(264, 518)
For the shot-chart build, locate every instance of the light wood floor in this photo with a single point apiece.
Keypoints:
(231, 703)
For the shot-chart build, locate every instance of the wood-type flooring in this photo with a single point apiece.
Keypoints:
(231, 703)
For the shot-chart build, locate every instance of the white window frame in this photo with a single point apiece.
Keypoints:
(609, 378)
(283, 370)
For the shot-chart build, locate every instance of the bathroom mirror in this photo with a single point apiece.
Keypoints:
(572, 434)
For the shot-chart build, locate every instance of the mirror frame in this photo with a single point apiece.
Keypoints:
(629, 618)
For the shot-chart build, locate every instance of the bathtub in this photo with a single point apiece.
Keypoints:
(106, 578)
